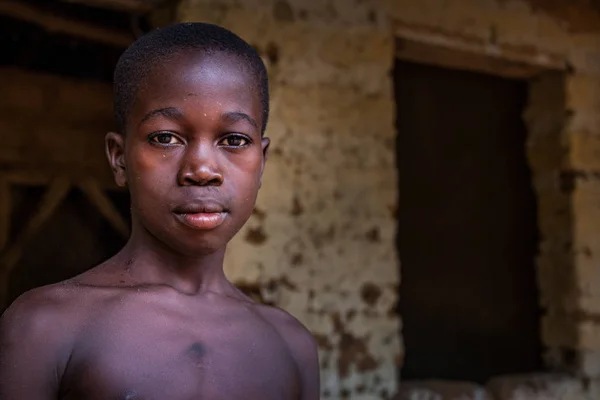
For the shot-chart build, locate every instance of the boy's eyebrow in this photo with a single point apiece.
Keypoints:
(235, 116)
(167, 112)
(176, 113)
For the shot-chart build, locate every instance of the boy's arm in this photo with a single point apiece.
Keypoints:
(30, 342)
(305, 352)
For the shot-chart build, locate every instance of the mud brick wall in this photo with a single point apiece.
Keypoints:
(321, 241)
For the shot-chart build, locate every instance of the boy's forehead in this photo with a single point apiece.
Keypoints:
(199, 62)
(217, 77)
(189, 68)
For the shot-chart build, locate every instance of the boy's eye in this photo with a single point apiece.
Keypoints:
(165, 138)
(235, 141)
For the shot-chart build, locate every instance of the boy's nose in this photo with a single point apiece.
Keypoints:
(200, 167)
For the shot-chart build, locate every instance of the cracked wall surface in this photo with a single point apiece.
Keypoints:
(321, 241)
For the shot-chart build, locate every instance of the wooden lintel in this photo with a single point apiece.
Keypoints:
(60, 24)
(432, 46)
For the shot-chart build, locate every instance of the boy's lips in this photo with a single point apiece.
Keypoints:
(199, 206)
(201, 214)
(203, 221)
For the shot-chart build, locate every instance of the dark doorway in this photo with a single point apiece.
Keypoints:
(467, 226)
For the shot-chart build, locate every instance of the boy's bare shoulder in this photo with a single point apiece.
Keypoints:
(302, 346)
(37, 334)
(45, 312)
(51, 314)
(300, 341)
(283, 321)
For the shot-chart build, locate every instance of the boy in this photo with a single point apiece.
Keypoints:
(159, 320)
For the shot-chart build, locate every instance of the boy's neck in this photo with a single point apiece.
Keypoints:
(150, 262)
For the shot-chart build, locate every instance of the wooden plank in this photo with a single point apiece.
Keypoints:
(104, 205)
(430, 46)
(59, 24)
(24, 176)
(53, 197)
(463, 60)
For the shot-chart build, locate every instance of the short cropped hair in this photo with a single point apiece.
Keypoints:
(157, 46)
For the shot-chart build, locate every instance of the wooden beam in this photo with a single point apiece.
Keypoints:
(104, 205)
(137, 6)
(59, 24)
(463, 60)
(52, 199)
(433, 46)
(15, 174)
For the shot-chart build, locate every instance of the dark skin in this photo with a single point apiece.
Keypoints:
(159, 320)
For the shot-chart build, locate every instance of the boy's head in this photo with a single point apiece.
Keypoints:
(146, 53)
(192, 103)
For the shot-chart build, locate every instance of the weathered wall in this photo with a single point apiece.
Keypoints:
(564, 123)
(564, 127)
(564, 141)
(321, 242)
(563, 118)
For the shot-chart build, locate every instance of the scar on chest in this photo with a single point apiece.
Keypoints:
(197, 350)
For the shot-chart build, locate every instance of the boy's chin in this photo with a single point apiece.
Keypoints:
(184, 244)
(186, 241)
(198, 247)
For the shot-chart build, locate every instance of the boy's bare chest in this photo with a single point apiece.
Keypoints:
(158, 359)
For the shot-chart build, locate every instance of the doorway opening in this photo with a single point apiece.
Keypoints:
(467, 226)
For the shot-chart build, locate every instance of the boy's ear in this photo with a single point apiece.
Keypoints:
(265, 149)
(115, 152)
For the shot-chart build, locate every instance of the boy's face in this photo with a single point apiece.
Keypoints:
(193, 155)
